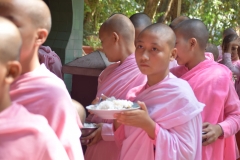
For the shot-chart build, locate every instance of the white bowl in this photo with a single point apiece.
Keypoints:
(108, 113)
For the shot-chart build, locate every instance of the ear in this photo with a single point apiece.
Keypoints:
(14, 69)
(42, 35)
(115, 37)
(173, 54)
(193, 42)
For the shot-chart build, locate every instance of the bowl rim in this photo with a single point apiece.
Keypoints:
(95, 127)
(136, 106)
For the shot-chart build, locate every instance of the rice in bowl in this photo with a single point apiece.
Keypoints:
(113, 104)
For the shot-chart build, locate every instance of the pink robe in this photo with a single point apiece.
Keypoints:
(172, 104)
(209, 56)
(234, 66)
(51, 60)
(212, 85)
(173, 64)
(116, 80)
(27, 136)
(42, 92)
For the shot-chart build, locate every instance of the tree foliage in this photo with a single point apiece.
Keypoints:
(216, 14)
(97, 11)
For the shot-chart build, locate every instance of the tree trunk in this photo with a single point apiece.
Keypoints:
(151, 7)
(172, 9)
(89, 16)
(164, 7)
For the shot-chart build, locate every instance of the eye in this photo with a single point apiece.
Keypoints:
(234, 48)
(139, 46)
(154, 49)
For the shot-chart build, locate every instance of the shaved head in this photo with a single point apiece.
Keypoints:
(178, 20)
(193, 28)
(36, 10)
(121, 25)
(163, 31)
(140, 20)
(228, 31)
(41, 16)
(10, 41)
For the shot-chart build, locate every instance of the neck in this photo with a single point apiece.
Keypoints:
(127, 51)
(31, 62)
(156, 78)
(235, 59)
(199, 57)
(5, 100)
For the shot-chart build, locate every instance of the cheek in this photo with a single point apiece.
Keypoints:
(179, 51)
(27, 37)
(139, 55)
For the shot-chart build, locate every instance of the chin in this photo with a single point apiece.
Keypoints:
(144, 71)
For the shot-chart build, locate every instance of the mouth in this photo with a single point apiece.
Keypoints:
(143, 65)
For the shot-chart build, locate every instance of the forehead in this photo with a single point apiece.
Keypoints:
(103, 34)
(150, 36)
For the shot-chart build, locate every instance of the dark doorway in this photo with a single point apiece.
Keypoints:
(47, 2)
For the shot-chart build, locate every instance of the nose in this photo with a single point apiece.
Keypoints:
(145, 56)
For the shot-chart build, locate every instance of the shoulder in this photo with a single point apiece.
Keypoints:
(216, 69)
(178, 71)
(108, 70)
(178, 83)
(21, 119)
(46, 79)
(40, 83)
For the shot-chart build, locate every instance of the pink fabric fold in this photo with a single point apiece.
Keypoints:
(209, 56)
(27, 136)
(220, 57)
(172, 105)
(116, 80)
(212, 85)
(42, 92)
(173, 64)
(51, 60)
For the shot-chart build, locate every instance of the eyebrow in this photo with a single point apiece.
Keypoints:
(139, 41)
(155, 44)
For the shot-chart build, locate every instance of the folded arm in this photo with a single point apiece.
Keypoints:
(231, 124)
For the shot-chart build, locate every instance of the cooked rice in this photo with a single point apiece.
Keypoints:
(114, 104)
